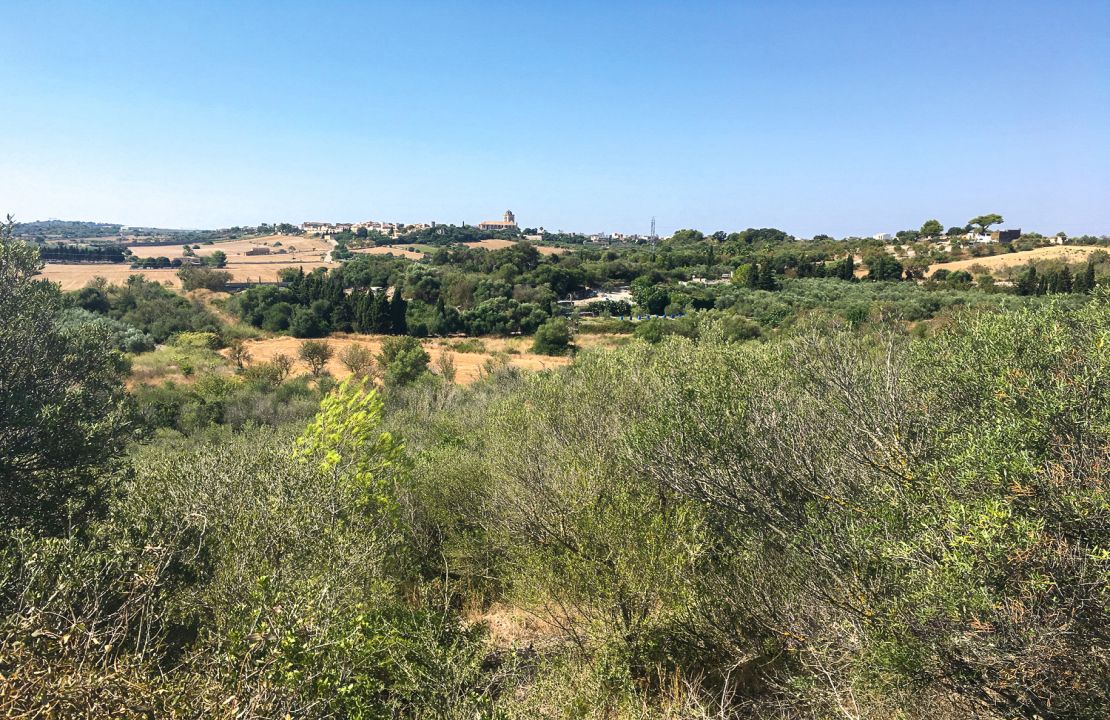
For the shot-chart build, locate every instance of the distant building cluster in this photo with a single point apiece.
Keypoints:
(995, 236)
(389, 229)
(607, 238)
(507, 222)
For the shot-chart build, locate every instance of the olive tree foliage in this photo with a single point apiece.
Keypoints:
(904, 520)
(845, 523)
(606, 553)
(62, 415)
(315, 354)
(358, 360)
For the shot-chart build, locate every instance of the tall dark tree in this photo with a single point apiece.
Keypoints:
(397, 311)
(1064, 280)
(753, 276)
(1085, 281)
(1027, 282)
(378, 315)
(767, 279)
(846, 270)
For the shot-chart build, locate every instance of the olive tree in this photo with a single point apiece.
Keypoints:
(62, 413)
(315, 353)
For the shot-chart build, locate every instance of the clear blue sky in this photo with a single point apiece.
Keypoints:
(836, 117)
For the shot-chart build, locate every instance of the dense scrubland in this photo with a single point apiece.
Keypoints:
(810, 497)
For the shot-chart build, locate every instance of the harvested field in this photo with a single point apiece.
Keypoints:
(75, 277)
(399, 251)
(999, 263)
(501, 244)
(292, 250)
(469, 365)
(262, 272)
(305, 253)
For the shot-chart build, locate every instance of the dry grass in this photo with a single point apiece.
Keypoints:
(75, 277)
(298, 249)
(513, 627)
(468, 366)
(260, 272)
(999, 263)
(390, 250)
(501, 244)
(305, 253)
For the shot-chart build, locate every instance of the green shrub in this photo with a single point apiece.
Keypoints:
(552, 338)
(196, 340)
(403, 360)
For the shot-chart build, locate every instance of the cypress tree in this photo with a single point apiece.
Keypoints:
(847, 268)
(1064, 281)
(397, 310)
(1027, 283)
(441, 317)
(753, 276)
(362, 312)
(343, 314)
(767, 277)
(379, 313)
(1089, 277)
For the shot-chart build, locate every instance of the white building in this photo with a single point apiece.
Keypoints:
(883, 237)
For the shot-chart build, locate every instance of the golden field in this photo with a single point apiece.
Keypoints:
(501, 244)
(390, 250)
(999, 263)
(469, 366)
(304, 253)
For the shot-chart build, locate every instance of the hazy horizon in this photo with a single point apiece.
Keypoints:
(846, 119)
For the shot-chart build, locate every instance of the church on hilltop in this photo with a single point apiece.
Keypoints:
(509, 223)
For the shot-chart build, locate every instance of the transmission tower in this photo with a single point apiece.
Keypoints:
(653, 229)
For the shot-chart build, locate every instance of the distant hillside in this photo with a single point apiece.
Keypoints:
(65, 229)
(43, 231)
